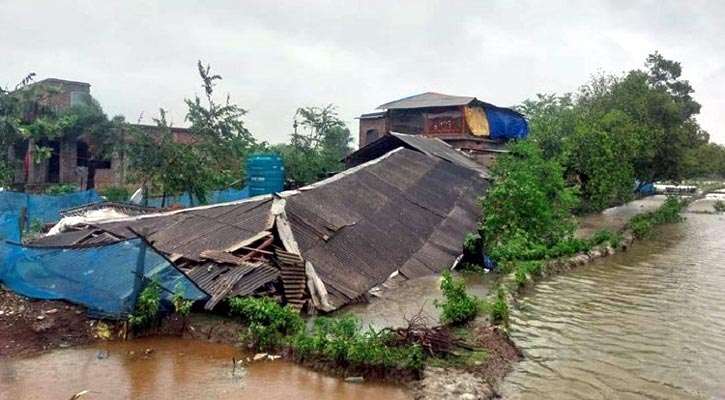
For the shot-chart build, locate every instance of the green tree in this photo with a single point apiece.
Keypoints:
(210, 158)
(319, 142)
(530, 201)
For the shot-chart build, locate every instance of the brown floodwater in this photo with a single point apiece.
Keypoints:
(175, 369)
(645, 324)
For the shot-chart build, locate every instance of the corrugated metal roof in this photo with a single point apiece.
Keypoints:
(427, 99)
(125, 208)
(360, 228)
(427, 145)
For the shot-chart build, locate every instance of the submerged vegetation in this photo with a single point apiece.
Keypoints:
(642, 225)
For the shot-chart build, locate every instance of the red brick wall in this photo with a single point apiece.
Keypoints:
(380, 124)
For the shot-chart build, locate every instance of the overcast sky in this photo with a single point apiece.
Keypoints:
(277, 56)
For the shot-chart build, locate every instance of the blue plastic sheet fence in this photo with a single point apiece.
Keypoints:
(104, 279)
(43, 207)
(214, 197)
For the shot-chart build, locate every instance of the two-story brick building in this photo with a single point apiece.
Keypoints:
(478, 128)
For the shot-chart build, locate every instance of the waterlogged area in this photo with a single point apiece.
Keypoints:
(173, 369)
(407, 298)
(645, 324)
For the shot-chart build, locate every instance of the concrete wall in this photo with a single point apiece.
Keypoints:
(368, 124)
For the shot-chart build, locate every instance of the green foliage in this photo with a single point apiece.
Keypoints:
(499, 313)
(340, 340)
(57, 190)
(719, 206)
(528, 209)
(116, 193)
(642, 225)
(601, 237)
(212, 157)
(616, 241)
(526, 270)
(182, 306)
(471, 243)
(147, 311)
(320, 140)
(268, 322)
(615, 129)
(458, 307)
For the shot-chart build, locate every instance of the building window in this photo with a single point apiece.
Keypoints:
(80, 99)
(83, 157)
(370, 136)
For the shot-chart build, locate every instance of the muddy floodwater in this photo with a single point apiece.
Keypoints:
(174, 369)
(645, 324)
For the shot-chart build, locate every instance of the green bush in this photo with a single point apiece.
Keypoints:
(340, 340)
(719, 206)
(458, 307)
(526, 269)
(616, 241)
(500, 309)
(601, 237)
(268, 322)
(57, 190)
(181, 305)
(147, 311)
(117, 193)
(642, 225)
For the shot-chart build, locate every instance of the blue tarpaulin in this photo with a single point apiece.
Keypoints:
(44, 207)
(214, 197)
(104, 279)
(504, 123)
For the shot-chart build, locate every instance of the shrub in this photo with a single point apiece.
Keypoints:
(500, 308)
(339, 340)
(616, 241)
(458, 307)
(601, 237)
(181, 305)
(268, 322)
(147, 311)
(116, 193)
(642, 225)
(525, 269)
(719, 206)
(57, 190)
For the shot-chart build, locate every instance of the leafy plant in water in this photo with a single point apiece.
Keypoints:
(458, 307)
(499, 309)
(601, 237)
(148, 304)
(269, 323)
(182, 306)
(719, 206)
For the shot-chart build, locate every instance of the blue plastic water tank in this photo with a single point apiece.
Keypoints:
(265, 174)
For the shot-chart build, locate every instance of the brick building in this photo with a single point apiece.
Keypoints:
(69, 160)
(480, 129)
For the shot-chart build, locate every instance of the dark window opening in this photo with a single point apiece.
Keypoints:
(54, 162)
(83, 160)
(371, 135)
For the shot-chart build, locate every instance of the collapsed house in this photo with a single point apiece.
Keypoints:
(320, 247)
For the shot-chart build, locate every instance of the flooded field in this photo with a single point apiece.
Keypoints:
(173, 369)
(645, 324)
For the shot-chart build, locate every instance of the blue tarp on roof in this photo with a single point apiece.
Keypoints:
(504, 123)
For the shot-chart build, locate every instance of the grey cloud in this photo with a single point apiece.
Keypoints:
(277, 56)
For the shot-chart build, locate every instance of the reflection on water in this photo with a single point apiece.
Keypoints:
(646, 324)
(175, 369)
(615, 218)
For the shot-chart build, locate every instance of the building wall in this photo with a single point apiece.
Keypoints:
(369, 124)
(63, 100)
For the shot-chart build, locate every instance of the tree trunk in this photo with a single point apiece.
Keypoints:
(91, 178)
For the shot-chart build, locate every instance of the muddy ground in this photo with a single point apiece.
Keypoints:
(29, 326)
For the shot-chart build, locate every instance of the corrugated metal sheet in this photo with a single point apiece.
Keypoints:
(433, 147)
(408, 211)
(125, 208)
(220, 280)
(427, 99)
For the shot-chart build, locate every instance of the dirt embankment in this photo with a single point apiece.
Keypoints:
(479, 380)
(32, 326)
